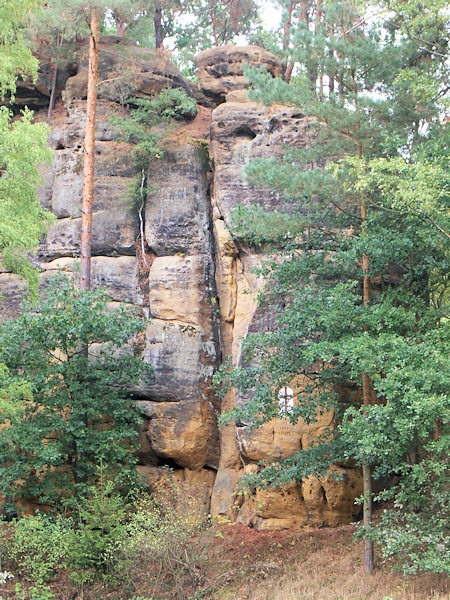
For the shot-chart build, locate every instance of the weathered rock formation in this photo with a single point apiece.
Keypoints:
(220, 70)
(126, 70)
(192, 280)
(241, 131)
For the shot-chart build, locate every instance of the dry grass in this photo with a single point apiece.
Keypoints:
(320, 565)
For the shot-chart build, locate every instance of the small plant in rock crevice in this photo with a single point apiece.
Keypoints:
(144, 125)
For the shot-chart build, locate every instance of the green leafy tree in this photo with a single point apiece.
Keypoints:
(79, 413)
(15, 57)
(366, 247)
(23, 147)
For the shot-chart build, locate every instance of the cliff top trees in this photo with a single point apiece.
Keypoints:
(360, 293)
(15, 58)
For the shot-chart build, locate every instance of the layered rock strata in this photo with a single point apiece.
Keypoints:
(193, 281)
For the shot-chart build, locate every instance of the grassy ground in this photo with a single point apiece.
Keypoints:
(242, 564)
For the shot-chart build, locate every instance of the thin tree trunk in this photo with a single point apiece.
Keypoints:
(330, 55)
(157, 20)
(288, 24)
(317, 28)
(51, 105)
(89, 154)
(367, 400)
(213, 22)
(287, 35)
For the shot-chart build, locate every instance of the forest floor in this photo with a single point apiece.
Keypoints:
(243, 564)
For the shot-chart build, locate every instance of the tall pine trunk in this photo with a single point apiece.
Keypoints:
(157, 20)
(80, 474)
(89, 154)
(367, 400)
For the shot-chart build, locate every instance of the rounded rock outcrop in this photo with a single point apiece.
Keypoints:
(220, 70)
(152, 71)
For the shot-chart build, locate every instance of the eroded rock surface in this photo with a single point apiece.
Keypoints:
(240, 132)
(220, 70)
(152, 72)
(189, 276)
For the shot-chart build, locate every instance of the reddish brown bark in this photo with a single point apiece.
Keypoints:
(318, 19)
(89, 154)
(288, 24)
(287, 29)
(212, 16)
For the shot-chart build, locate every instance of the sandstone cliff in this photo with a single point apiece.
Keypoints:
(194, 282)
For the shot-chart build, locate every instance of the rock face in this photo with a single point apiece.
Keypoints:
(220, 70)
(117, 59)
(240, 132)
(194, 282)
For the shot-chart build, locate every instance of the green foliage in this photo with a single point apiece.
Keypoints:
(79, 412)
(140, 125)
(56, 30)
(14, 391)
(209, 23)
(414, 534)
(370, 151)
(107, 539)
(15, 58)
(23, 147)
(37, 546)
(96, 544)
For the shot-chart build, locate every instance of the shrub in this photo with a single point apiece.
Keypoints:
(36, 546)
(98, 539)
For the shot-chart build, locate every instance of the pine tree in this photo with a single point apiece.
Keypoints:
(213, 23)
(365, 247)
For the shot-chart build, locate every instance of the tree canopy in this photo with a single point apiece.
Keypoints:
(23, 147)
(360, 294)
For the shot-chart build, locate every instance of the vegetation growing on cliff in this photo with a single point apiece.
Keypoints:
(78, 414)
(360, 294)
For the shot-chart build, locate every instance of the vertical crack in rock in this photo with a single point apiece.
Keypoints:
(190, 276)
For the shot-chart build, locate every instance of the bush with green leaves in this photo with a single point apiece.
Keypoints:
(75, 352)
(107, 539)
(140, 124)
(415, 533)
(36, 548)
